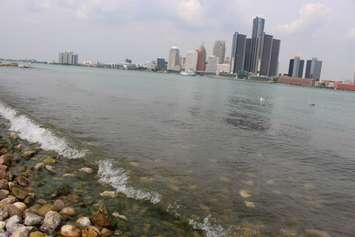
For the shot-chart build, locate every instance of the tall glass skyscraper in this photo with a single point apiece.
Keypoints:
(238, 53)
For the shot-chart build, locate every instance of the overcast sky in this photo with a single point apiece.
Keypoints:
(112, 30)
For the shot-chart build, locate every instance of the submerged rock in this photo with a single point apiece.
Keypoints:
(86, 170)
(22, 181)
(51, 221)
(249, 204)
(70, 231)
(28, 154)
(32, 219)
(45, 209)
(49, 161)
(244, 194)
(83, 221)
(100, 218)
(118, 215)
(58, 204)
(109, 194)
(68, 211)
(90, 231)
(50, 168)
(39, 166)
(316, 233)
(37, 234)
(19, 192)
(106, 232)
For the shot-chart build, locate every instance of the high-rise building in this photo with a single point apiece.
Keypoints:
(274, 61)
(313, 69)
(266, 55)
(248, 55)
(296, 67)
(191, 61)
(219, 50)
(238, 53)
(201, 59)
(211, 66)
(68, 58)
(161, 64)
(257, 44)
(174, 59)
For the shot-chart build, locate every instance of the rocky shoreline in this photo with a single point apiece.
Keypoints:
(61, 210)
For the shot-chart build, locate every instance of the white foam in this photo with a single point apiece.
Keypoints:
(32, 132)
(118, 179)
(210, 230)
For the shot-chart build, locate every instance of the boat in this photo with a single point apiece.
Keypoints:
(25, 65)
(188, 73)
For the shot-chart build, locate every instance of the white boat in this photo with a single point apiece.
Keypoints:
(26, 65)
(188, 73)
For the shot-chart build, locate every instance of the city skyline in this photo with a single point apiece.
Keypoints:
(100, 32)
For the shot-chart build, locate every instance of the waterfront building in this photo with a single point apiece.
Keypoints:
(274, 61)
(211, 66)
(68, 58)
(201, 59)
(238, 53)
(161, 64)
(191, 61)
(174, 59)
(223, 68)
(296, 67)
(219, 50)
(313, 69)
(257, 44)
(248, 53)
(266, 55)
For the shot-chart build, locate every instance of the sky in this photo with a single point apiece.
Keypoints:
(111, 30)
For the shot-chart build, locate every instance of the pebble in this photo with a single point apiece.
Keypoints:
(68, 211)
(4, 213)
(244, 194)
(118, 215)
(70, 231)
(21, 232)
(249, 204)
(39, 166)
(51, 221)
(106, 232)
(90, 231)
(2, 226)
(87, 170)
(50, 168)
(13, 223)
(37, 234)
(108, 194)
(20, 205)
(32, 219)
(58, 204)
(83, 221)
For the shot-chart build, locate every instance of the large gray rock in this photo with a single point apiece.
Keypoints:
(21, 232)
(51, 222)
(32, 219)
(4, 213)
(83, 222)
(13, 223)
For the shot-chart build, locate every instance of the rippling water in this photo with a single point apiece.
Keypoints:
(201, 147)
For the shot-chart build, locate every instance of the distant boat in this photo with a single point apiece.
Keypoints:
(26, 65)
(188, 73)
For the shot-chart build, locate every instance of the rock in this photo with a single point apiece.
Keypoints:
(51, 221)
(37, 234)
(68, 211)
(249, 204)
(83, 221)
(4, 184)
(21, 232)
(244, 194)
(13, 136)
(49, 161)
(68, 175)
(90, 231)
(70, 231)
(7, 201)
(4, 213)
(5, 159)
(2, 226)
(32, 219)
(50, 168)
(108, 194)
(3, 172)
(13, 210)
(29, 200)
(100, 218)
(39, 166)
(106, 232)
(29, 154)
(118, 215)
(58, 204)
(19, 192)
(13, 223)
(3, 194)
(316, 233)
(20, 205)
(22, 181)
(42, 211)
(86, 170)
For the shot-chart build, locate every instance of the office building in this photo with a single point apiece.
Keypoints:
(266, 55)
(201, 59)
(238, 53)
(161, 64)
(68, 58)
(274, 61)
(174, 59)
(296, 67)
(211, 66)
(313, 69)
(248, 52)
(191, 61)
(257, 44)
(219, 50)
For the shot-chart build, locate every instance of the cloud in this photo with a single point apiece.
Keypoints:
(191, 12)
(352, 33)
(311, 17)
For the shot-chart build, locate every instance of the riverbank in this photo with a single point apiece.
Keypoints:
(39, 198)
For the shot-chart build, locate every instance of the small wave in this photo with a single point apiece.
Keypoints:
(30, 131)
(210, 230)
(118, 178)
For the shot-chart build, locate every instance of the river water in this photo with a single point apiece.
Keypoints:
(206, 149)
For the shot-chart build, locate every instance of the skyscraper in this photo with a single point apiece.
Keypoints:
(201, 59)
(174, 59)
(161, 64)
(68, 58)
(191, 61)
(257, 44)
(248, 55)
(274, 61)
(296, 67)
(219, 50)
(313, 69)
(238, 53)
(266, 55)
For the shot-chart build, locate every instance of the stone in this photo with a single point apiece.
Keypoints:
(21, 232)
(100, 218)
(118, 215)
(70, 231)
(83, 222)
(22, 181)
(68, 211)
(13, 223)
(5, 159)
(37, 234)
(106, 232)
(29, 154)
(249, 204)
(316, 233)
(13, 210)
(29, 200)
(13, 136)
(7, 201)
(2, 226)
(3, 172)
(4, 213)
(3, 194)
(32, 219)
(49, 161)
(39, 166)
(58, 204)
(244, 194)
(90, 231)
(43, 210)
(108, 194)
(20, 205)
(50, 168)
(19, 192)
(4, 184)
(86, 170)
(51, 221)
